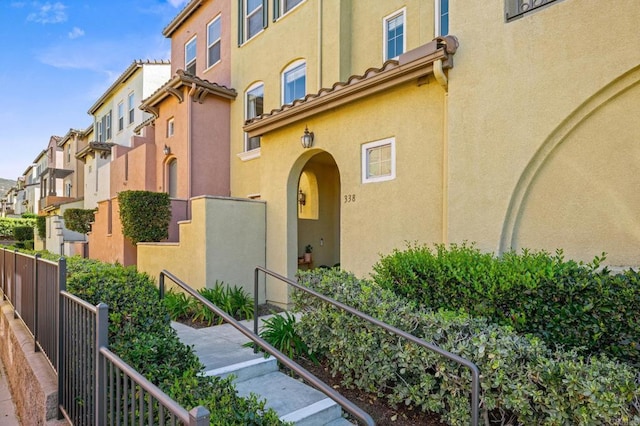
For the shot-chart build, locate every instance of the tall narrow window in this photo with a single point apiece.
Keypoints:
(442, 17)
(213, 42)
(394, 31)
(254, 101)
(120, 116)
(170, 127)
(190, 57)
(253, 18)
(99, 131)
(172, 178)
(131, 106)
(107, 126)
(294, 82)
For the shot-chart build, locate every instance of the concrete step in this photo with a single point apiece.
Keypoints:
(291, 399)
(220, 348)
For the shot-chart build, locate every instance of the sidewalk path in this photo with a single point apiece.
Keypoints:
(7, 409)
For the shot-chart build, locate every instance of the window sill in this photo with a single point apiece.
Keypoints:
(249, 155)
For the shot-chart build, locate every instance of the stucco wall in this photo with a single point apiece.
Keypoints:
(514, 89)
(223, 241)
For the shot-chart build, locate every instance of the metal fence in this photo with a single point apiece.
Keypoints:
(95, 386)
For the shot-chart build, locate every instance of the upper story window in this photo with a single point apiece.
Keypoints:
(170, 127)
(254, 104)
(190, 56)
(294, 82)
(99, 132)
(281, 7)
(131, 107)
(120, 116)
(107, 125)
(394, 34)
(69, 153)
(379, 160)
(213, 42)
(253, 18)
(516, 8)
(442, 17)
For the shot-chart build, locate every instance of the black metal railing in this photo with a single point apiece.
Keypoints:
(347, 405)
(475, 372)
(516, 8)
(95, 386)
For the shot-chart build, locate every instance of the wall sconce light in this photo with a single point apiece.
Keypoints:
(307, 138)
(302, 199)
(166, 150)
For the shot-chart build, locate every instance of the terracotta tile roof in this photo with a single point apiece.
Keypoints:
(144, 124)
(410, 65)
(182, 79)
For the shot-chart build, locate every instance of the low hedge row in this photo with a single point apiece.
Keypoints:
(7, 225)
(567, 304)
(522, 380)
(141, 334)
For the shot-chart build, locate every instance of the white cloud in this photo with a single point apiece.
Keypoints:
(178, 3)
(76, 32)
(48, 13)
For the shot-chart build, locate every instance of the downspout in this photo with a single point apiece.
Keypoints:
(192, 92)
(441, 78)
(319, 45)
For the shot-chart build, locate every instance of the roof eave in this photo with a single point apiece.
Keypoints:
(181, 17)
(300, 110)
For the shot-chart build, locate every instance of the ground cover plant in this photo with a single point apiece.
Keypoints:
(524, 381)
(141, 334)
(568, 304)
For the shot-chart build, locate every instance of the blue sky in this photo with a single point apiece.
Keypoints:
(58, 57)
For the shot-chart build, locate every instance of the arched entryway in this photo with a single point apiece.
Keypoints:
(318, 211)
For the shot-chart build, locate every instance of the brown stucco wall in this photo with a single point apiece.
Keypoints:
(31, 379)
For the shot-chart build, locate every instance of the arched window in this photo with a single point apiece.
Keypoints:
(294, 82)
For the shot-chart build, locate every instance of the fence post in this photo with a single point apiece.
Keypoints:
(36, 258)
(62, 286)
(161, 286)
(199, 416)
(13, 283)
(102, 341)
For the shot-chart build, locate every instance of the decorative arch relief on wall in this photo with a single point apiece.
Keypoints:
(528, 177)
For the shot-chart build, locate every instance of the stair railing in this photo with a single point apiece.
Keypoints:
(347, 405)
(475, 371)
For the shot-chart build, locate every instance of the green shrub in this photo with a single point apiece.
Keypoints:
(567, 304)
(23, 233)
(7, 225)
(179, 305)
(144, 215)
(79, 220)
(28, 215)
(41, 226)
(140, 333)
(280, 332)
(522, 380)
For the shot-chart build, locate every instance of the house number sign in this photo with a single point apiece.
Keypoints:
(350, 198)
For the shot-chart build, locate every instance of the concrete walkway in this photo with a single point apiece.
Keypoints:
(7, 408)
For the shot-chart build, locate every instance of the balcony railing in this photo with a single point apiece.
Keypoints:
(517, 8)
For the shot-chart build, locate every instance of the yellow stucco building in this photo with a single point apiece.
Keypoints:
(508, 123)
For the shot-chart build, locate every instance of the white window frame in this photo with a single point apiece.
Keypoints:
(99, 131)
(107, 130)
(187, 62)
(171, 127)
(292, 68)
(439, 16)
(211, 43)
(131, 107)
(385, 33)
(365, 160)
(247, 116)
(281, 8)
(120, 116)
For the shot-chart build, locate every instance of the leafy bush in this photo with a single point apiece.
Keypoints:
(280, 332)
(23, 233)
(567, 304)
(522, 380)
(41, 225)
(28, 215)
(144, 215)
(140, 333)
(234, 301)
(7, 224)
(79, 220)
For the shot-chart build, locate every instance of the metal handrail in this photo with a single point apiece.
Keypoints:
(475, 371)
(347, 405)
